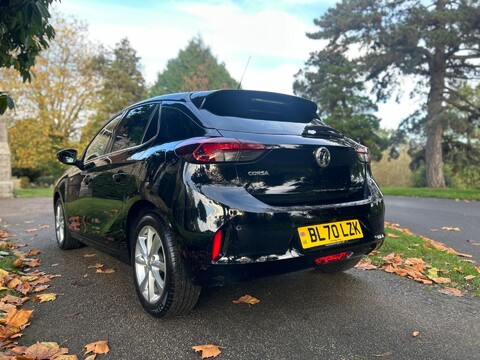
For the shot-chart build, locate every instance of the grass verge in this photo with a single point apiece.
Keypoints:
(34, 192)
(444, 193)
(443, 266)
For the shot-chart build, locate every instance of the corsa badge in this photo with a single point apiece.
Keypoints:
(322, 156)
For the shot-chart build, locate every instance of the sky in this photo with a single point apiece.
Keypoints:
(272, 33)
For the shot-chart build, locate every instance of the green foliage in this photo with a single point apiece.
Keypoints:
(122, 84)
(434, 43)
(332, 81)
(195, 68)
(24, 33)
(445, 193)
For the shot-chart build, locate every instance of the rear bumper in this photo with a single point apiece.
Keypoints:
(226, 271)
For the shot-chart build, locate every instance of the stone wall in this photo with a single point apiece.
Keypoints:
(6, 184)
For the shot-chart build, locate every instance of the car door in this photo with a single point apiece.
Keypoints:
(113, 179)
(79, 187)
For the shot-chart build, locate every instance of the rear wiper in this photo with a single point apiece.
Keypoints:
(321, 131)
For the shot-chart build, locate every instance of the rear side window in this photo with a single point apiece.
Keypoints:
(175, 125)
(130, 131)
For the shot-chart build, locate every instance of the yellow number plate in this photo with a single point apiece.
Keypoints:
(330, 233)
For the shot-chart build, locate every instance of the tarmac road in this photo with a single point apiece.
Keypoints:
(304, 315)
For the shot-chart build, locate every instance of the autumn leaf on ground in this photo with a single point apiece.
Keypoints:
(4, 234)
(18, 318)
(33, 262)
(449, 228)
(393, 236)
(415, 333)
(31, 230)
(15, 300)
(19, 263)
(96, 266)
(433, 230)
(106, 271)
(207, 350)
(45, 297)
(33, 252)
(247, 299)
(366, 264)
(469, 277)
(45, 350)
(451, 291)
(45, 227)
(98, 347)
(89, 255)
(407, 231)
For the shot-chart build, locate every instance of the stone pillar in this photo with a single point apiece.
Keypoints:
(6, 183)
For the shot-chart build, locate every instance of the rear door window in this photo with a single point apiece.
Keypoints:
(130, 131)
(98, 146)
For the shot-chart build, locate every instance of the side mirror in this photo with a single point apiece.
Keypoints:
(68, 157)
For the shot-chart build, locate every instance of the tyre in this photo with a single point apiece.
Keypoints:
(160, 278)
(338, 266)
(64, 239)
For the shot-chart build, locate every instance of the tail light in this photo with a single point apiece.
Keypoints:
(335, 257)
(363, 154)
(215, 150)
(217, 245)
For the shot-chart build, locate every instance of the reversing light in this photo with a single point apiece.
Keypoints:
(334, 257)
(363, 154)
(217, 245)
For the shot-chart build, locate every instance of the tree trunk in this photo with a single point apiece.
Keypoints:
(434, 125)
(6, 184)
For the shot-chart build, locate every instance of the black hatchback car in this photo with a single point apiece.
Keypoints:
(207, 188)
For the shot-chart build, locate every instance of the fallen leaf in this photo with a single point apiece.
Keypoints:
(407, 231)
(98, 347)
(67, 357)
(464, 255)
(45, 297)
(415, 333)
(31, 230)
(451, 291)
(40, 288)
(247, 299)
(441, 280)
(393, 236)
(469, 277)
(19, 263)
(33, 263)
(449, 228)
(44, 226)
(18, 318)
(45, 350)
(208, 351)
(366, 264)
(106, 271)
(4, 234)
(33, 252)
(89, 255)
(28, 221)
(91, 357)
(96, 266)
(433, 230)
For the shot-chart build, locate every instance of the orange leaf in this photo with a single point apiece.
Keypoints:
(366, 264)
(208, 351)
(451, 291)
(18, 263)
(33, 263)
(415, 333)
(31, 230)
(33, 252)
(4, 234)
(67, 357)
(18, 318)
(441, 280)
(96, 266)
(45, 350)
(469, 277)
(89, 255)
(45, 297)
(15, 300)
(247, 299)
(449, 228)
(44, 226)
(13, 283)
(98, 347)
(393, 236)
(106, 271)
(41, 288)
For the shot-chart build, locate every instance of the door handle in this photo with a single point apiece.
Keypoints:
(119, 176)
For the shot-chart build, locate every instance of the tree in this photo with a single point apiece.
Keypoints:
(195, 68)
(122, 84)
(331, 81)
(53, 107)
(24, 33)
(434, 42)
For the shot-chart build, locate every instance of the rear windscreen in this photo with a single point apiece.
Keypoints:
(255, 111)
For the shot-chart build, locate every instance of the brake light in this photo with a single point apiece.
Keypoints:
(217, 245)
(363, 154)
(334, 257)
(216, 150)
